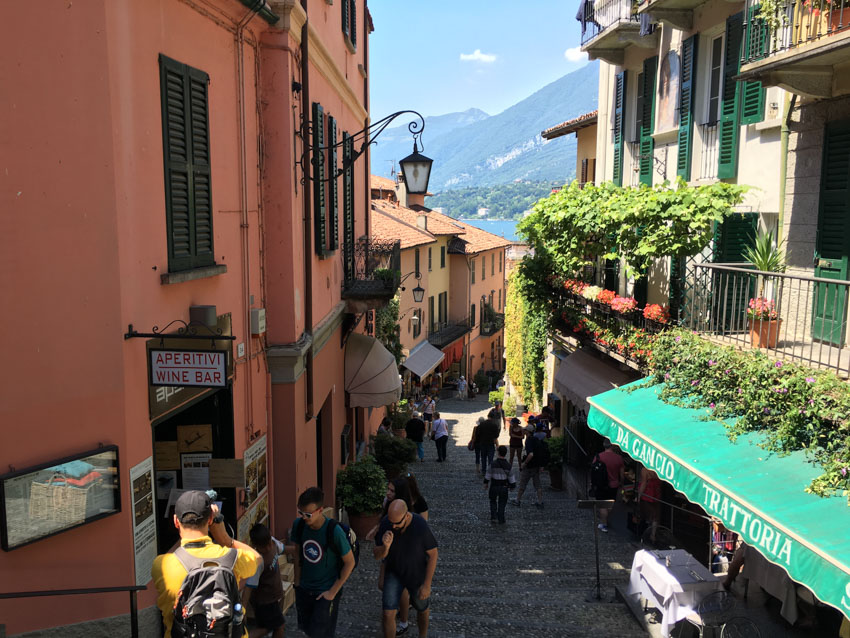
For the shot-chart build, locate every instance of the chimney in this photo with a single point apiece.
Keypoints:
(422, 221)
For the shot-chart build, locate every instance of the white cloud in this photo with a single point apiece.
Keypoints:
(477, 56)
(575, 54)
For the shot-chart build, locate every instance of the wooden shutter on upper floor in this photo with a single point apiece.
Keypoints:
(333, 186)
(729, 128)
(319, 183)
(583, 179)
(348, 205)
(647, 120)
(352, 17)
(686, 107)
(755, 48)
(346, 21)
(619, 121)
(186, 151)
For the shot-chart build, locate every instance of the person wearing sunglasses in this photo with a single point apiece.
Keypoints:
(409, 550)
(324, 561)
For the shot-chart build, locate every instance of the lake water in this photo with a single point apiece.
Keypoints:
(502, 227)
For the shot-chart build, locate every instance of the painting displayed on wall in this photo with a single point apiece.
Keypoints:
(669, 79)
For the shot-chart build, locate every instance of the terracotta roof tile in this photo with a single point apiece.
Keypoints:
(570, 126)
(386, 226)
(477, 240)
(437, 224)
(385, 183)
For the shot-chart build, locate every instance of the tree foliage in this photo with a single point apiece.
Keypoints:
(505, 201)
(569, 229)
(513, 333)
(386, 328)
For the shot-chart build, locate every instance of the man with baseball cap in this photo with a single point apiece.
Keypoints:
(195, 519)
(530, 467)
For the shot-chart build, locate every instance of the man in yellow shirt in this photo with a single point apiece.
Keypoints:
(194, 518)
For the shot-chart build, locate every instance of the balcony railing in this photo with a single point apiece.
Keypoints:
(793, 24)
(811, 313)
(708, 154)
(372, 270)
(441, 334)
(605, 14)
(491, 324)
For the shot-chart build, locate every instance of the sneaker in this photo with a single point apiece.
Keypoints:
(401, 629)
(513, 501)
(602, 527)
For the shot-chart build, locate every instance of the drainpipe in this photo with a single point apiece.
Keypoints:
(308, 229)
(367, 163)
(243, 196)
(790, 99)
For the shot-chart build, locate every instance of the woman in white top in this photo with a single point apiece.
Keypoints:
(441, 436)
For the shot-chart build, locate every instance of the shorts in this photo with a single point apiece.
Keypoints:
(392, 594)
(428, 417)
(606, 493)
(269, 616)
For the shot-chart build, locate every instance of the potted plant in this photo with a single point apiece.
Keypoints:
(361, 487)
(386, 275)
(763, 317)
(656, 316)
(557, 450)
(393, 453)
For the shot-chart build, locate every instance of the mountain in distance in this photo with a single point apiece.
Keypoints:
(507, 147)
(396, 143)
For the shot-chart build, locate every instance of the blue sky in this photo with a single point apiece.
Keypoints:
(488, 54)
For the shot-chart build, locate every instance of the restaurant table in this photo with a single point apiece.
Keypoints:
(773, 579)
(674, 590)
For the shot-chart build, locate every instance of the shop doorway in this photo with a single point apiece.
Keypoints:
(182, 443)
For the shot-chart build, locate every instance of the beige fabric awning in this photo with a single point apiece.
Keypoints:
(423, 361)
(581, 375)
(371, 373)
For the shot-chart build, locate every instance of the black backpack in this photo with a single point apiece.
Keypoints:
(204, 606)
(298, 527)
(541, 454)
(599, 473)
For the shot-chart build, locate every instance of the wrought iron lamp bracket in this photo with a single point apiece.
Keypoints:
(190, 330)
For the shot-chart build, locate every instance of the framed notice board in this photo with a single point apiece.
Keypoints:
(44, 500)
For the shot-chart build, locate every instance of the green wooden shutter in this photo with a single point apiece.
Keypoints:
(186, 152)
(319, 183)
(686, 107)
(346, 23)
(729, 129)
(619, 120)
(755, 48)
(647, 120)
(348, 205)
(352, 17)
(333, 188)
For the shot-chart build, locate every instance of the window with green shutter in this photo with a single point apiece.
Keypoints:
(619, 120)
(729, 127)
(349, 21)
(686, 107)
(647, 120)
(319, 183)
(442, 256)
(186, 152)
(333, 187)
(348, 205)
(755, 48)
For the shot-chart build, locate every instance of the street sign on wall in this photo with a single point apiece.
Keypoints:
(192, 368)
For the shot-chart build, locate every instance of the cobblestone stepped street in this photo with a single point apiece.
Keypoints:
(529, 577)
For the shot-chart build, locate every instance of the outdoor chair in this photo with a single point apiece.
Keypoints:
(740, 627)
(664, 538)
(713, 611)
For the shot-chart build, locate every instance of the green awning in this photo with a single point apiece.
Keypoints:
(759, 495)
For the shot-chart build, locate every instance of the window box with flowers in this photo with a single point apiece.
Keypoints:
(656, 317)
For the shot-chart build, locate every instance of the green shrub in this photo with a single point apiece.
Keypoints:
(400, 415)
(393, 453)
(361, 486)
(557, 450)
(497, 395)
(482, 381)
(509, 406)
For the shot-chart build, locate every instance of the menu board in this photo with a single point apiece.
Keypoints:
(144, 519)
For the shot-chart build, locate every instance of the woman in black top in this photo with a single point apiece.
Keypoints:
(420, 505)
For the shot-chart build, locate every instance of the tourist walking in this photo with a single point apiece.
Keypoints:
(440, 434)
(415, 429)
(409, 551)
(499, 480)
(616, 474)
(429, 406)
(497, 414)
(461, 388)
(515, 433)
(486, 438)
(418, 504)
(530, 468)
(324, 561)
(265, 586)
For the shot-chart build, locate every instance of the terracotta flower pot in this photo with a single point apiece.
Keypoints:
(363, 523)
(764, 333)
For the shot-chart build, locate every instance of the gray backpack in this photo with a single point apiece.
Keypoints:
(205, 604)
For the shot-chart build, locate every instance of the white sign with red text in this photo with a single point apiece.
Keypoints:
(192, 368)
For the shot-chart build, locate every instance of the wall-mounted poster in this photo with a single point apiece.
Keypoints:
(669, 78)
(196, 471)
(46, 499)
(144, 521)
(255, 470)
(257, 513)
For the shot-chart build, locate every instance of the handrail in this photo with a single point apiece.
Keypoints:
(132, 589)
(768, 273)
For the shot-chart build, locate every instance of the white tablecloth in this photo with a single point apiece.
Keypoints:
(675, 590)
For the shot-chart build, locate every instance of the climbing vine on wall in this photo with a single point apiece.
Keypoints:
(513, 334)
(387, 329)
